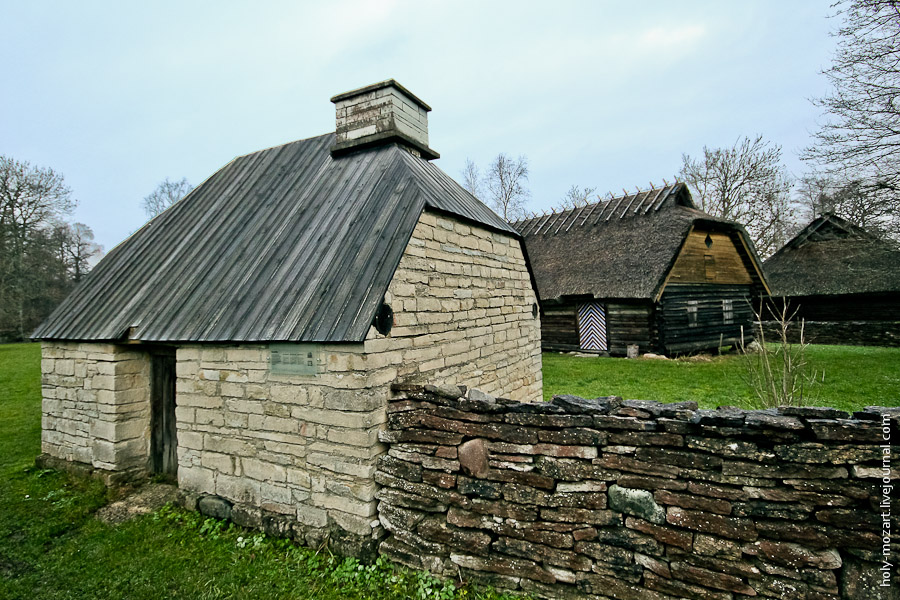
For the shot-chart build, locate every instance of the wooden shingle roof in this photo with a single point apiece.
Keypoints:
(285, 244)
(618, 248)
(831, 256)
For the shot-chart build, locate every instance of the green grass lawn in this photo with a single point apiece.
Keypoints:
(854, 377)
(53, 547)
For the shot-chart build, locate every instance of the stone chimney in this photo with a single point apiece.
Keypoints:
(379, 114)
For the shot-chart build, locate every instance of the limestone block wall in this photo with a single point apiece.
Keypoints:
(640, 500)
(303, 449)
(464, 311)
(96, 404)
(298, 447)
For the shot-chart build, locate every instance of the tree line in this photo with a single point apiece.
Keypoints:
(43, 254)
(853, 164)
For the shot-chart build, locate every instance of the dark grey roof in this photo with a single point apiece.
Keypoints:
(832, 256)
(285, 244)
(618, 248)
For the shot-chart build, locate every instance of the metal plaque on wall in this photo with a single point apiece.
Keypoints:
(295, 359)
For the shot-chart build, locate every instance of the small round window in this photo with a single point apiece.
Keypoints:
(534, 310)
(384, 319)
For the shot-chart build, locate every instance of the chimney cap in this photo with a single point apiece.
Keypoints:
(377, 86)
(380, 114)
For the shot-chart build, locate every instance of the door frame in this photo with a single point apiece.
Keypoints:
(163, 446)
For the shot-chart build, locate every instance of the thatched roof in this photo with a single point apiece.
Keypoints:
(285, 244)
(832, 256)
(618, 248)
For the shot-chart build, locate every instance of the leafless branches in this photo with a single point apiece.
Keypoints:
(31, 195)
(746, 183)
(76, 247)
(503, 186)
(34, 273)
(859, 138)
(576, 197)
(472, 179)
(165, 195)
(778, 371)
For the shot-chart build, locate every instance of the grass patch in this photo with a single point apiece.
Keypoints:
(854, 377)
(54, 549)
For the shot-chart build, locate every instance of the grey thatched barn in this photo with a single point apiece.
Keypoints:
(245, 340)
(843, 281)
(646, 270)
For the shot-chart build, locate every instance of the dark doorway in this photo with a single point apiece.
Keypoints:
(163, 433)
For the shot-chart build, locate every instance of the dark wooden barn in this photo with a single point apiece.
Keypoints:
(842, 281)
(648, 270)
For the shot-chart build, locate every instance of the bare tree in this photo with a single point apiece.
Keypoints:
(165, 195)
(746, 183)
(576, 197)
(76, 248)
(506, 186)
(859, 140)
(472, 179)
(31, 198)
(850, 199)
(813, 193)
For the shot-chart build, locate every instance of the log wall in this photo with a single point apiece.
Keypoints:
(711, 325)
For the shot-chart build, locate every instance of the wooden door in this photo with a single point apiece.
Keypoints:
(592, 327)
(163, 438)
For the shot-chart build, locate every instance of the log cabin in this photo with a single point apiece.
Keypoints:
(646, 270)
(842, 281)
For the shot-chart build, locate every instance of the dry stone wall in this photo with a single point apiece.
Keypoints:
(846, 333)
(96, 407)
(637, 500)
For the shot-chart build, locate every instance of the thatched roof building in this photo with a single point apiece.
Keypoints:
(842, 280)
(833, 256)
(623, 255)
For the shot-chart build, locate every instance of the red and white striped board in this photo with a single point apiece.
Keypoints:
(592, 327)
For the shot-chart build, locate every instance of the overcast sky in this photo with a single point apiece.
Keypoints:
(120, 95)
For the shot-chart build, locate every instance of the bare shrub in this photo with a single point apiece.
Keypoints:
(777, 370)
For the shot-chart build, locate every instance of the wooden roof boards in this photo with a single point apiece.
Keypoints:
(285, 244)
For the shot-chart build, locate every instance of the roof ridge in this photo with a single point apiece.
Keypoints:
(306, 139)
(640, 203)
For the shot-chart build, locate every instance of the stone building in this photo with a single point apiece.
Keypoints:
(245, 340)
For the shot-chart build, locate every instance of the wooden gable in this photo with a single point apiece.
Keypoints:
(710, 257)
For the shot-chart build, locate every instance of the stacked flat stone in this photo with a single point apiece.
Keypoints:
(95, 409)
(607, 498)
(857, 333)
